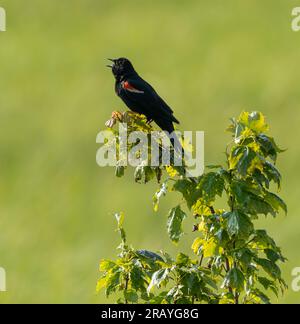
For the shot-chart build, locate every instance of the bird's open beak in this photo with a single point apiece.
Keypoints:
(111, 66)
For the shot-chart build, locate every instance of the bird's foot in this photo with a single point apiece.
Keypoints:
(116, 116)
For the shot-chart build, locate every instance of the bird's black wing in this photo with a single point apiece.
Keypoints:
(145, 98)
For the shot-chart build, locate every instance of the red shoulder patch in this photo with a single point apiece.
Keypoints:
(127, 86)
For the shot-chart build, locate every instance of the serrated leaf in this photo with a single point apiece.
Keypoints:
(249, 199)
(270, 267)
(272, 173)
(197, 244)
(157, 278)
(149, 255)
(201, 208)
(174, 224)
(274, 256)
(234, 279)
(101, 284)
(211, 185)
(255, 121)
(112, 280)
(245, 257)
(106, 265)
(188, 191)
(243, 160)
(131, 296)
(268, 284)
(210, 248)
(263, 298)
(222, 237)
(182, 259)
(263, 240)
(238, 224)
(268, 146)
(137, 278)
(261, 179)
(276, 202)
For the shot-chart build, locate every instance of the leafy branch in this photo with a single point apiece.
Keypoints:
(234, 262)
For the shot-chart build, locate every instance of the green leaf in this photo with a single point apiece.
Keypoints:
(113, 280)
(120, 170)
(182, 259)
(188, 191)
(106, 265)
(144, 174)
(246, 161)
(272, 173)
(201, 208)
(174, 224)
(210, 248)
(242, 158)
(244, 191)
(101, 284)
(150, 255)
(261, 179)
(268, 146)
(234, 279)
(263, 241)
(268, 284)
(238, 224)
(263, 298)
(158, 278)
(249, 199)
(274, 256)
(244, 257)
(222, 237)
(211, 185)
(137, 278)
(197, 244)
(276, 202)
(255, 121)
(131, 296)
(270, 267)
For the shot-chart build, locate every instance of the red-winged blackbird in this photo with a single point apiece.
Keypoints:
(140, 97)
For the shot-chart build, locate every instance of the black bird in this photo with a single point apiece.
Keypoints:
(140, 97)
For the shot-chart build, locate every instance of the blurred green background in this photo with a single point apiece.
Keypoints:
(209, 59)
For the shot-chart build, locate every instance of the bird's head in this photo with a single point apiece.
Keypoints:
(121, 67)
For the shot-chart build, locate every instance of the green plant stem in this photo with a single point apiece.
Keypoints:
(126, 288)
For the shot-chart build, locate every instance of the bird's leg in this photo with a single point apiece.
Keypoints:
(149, 121)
